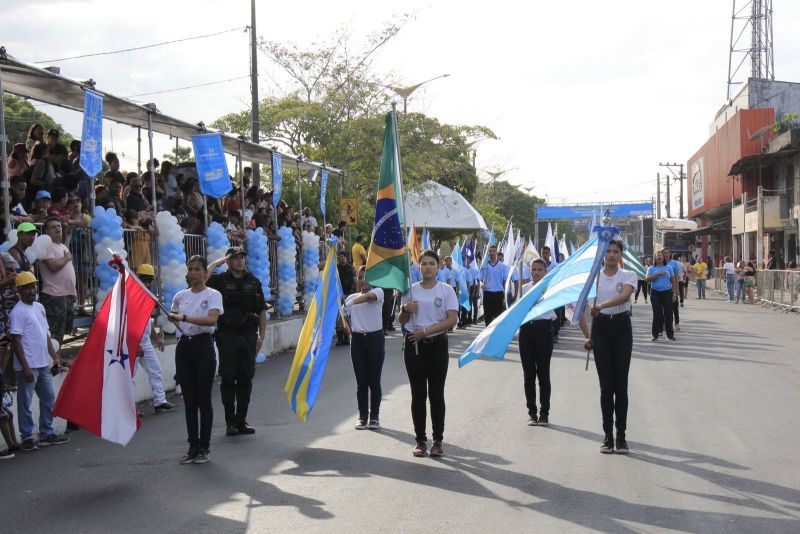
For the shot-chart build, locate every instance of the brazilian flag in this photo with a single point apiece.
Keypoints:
(387, 259)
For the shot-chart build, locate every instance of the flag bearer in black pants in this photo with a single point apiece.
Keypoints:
(195, 311)
(366, 349)
(429, 309)
(240, 334)
(535, 351)
(612, 340)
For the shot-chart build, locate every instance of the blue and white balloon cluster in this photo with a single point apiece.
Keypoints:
(218, 245)
(287, 272)
(107, 234)
(171, 255)
(310, 266)
(258, 258)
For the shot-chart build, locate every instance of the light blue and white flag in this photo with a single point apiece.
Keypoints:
(570, 282)
(323, 188)
(92, 134)
(277, 179)
(212, 168)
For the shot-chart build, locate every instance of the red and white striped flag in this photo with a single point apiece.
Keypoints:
(97, 393)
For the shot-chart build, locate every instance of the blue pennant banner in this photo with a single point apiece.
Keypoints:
(277, 179)
(92, 134)
(323, 188)
(212, 169)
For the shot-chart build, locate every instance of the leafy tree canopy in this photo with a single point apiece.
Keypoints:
(20, 115)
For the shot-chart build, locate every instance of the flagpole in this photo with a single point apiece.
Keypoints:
(402, 203)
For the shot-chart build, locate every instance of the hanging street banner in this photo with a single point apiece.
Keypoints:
(323, 188)
(348, 210)
(92, 134)
(277, 179)
(586, 211)
(212, 169)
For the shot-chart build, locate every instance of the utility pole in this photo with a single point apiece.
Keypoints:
(658, 195)
(680, 177)
(254, 85)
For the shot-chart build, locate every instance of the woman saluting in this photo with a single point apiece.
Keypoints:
(429, 309)
(612, 340)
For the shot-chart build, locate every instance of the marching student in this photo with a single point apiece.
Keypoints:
(612, 340)
(493, 273)
(149, 359)
(366, 349)
(660, 277)
(535, 351)
(429, 309)
(195, 312)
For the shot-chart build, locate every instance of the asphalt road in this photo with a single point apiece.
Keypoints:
(713, 429)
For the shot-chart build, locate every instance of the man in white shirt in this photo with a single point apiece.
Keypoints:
(58, 282)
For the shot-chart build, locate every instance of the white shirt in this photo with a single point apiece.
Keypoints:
(609, 287)
(366, 316)
(434, 303)
(729, 268)
(30, 322)
(310, 220)
(187, 302)
(546, 316)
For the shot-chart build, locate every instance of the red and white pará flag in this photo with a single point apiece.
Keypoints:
(97, 393)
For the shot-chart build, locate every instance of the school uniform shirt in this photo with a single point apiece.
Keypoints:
(474, 272)
(550, 266)
(494, 276)
(366, 316)
(677, 269)
(662, 283)
(186, 302)
(30, 322)
(609, 287)
(434, 303)
(448, 275)
(416, 274)
(546, 316)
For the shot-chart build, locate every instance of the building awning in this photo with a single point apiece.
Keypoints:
(755, 161)
(29, 81)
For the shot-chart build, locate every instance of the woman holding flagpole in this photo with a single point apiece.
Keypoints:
(612, 340)
(428, 310)
(195, 311)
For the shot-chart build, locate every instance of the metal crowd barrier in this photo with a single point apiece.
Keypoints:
(778, 290)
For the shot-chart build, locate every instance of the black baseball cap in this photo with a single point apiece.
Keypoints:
(235, 251)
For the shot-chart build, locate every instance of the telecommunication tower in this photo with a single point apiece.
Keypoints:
(751, 21)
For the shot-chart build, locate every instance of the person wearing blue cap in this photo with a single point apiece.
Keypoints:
(42, 206)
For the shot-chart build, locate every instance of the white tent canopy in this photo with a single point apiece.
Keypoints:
(436, 206)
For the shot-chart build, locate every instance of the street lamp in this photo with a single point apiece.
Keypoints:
(405, 92)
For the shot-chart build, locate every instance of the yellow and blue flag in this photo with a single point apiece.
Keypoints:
(387, 259)
(314, 345)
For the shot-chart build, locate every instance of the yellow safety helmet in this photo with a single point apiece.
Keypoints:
(24, 278)
(146, 269)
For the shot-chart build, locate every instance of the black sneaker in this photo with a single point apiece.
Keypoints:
(245, 429)
(533, 420)
(436, 449)
(361, 424)
(164, 407)
(374, 424)
(420, 450)
(29, 445)
(608, 445)
(232, 430)
(53, 440)
(543, 420)
(6, 455)
(201, 457)
(189, 456)
(622, 446)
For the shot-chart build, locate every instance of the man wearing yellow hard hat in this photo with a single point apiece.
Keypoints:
(149, 359)
(32, 345)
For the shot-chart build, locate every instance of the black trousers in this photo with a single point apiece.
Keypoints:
(237, 367)
(676, 314)
(662, 312)
(643, 286)
(612, 339)
(493, 305)
(561, 317)
(367, 353)
(388, 308)
(474, 297)
(427, 372)
(195, 365)
(535, 351)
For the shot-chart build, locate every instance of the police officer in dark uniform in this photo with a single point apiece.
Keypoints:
(240, 334)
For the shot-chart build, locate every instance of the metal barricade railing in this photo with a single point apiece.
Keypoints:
(778, 289)
(141, 247)
(194, 245)
(81, 245)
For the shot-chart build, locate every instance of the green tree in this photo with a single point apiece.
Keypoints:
(20, 115)
(500, 201)
(180, 154)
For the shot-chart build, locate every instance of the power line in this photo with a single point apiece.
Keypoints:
(144, 46)
(189, 86)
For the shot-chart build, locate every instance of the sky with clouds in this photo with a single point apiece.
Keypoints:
(586, 97)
